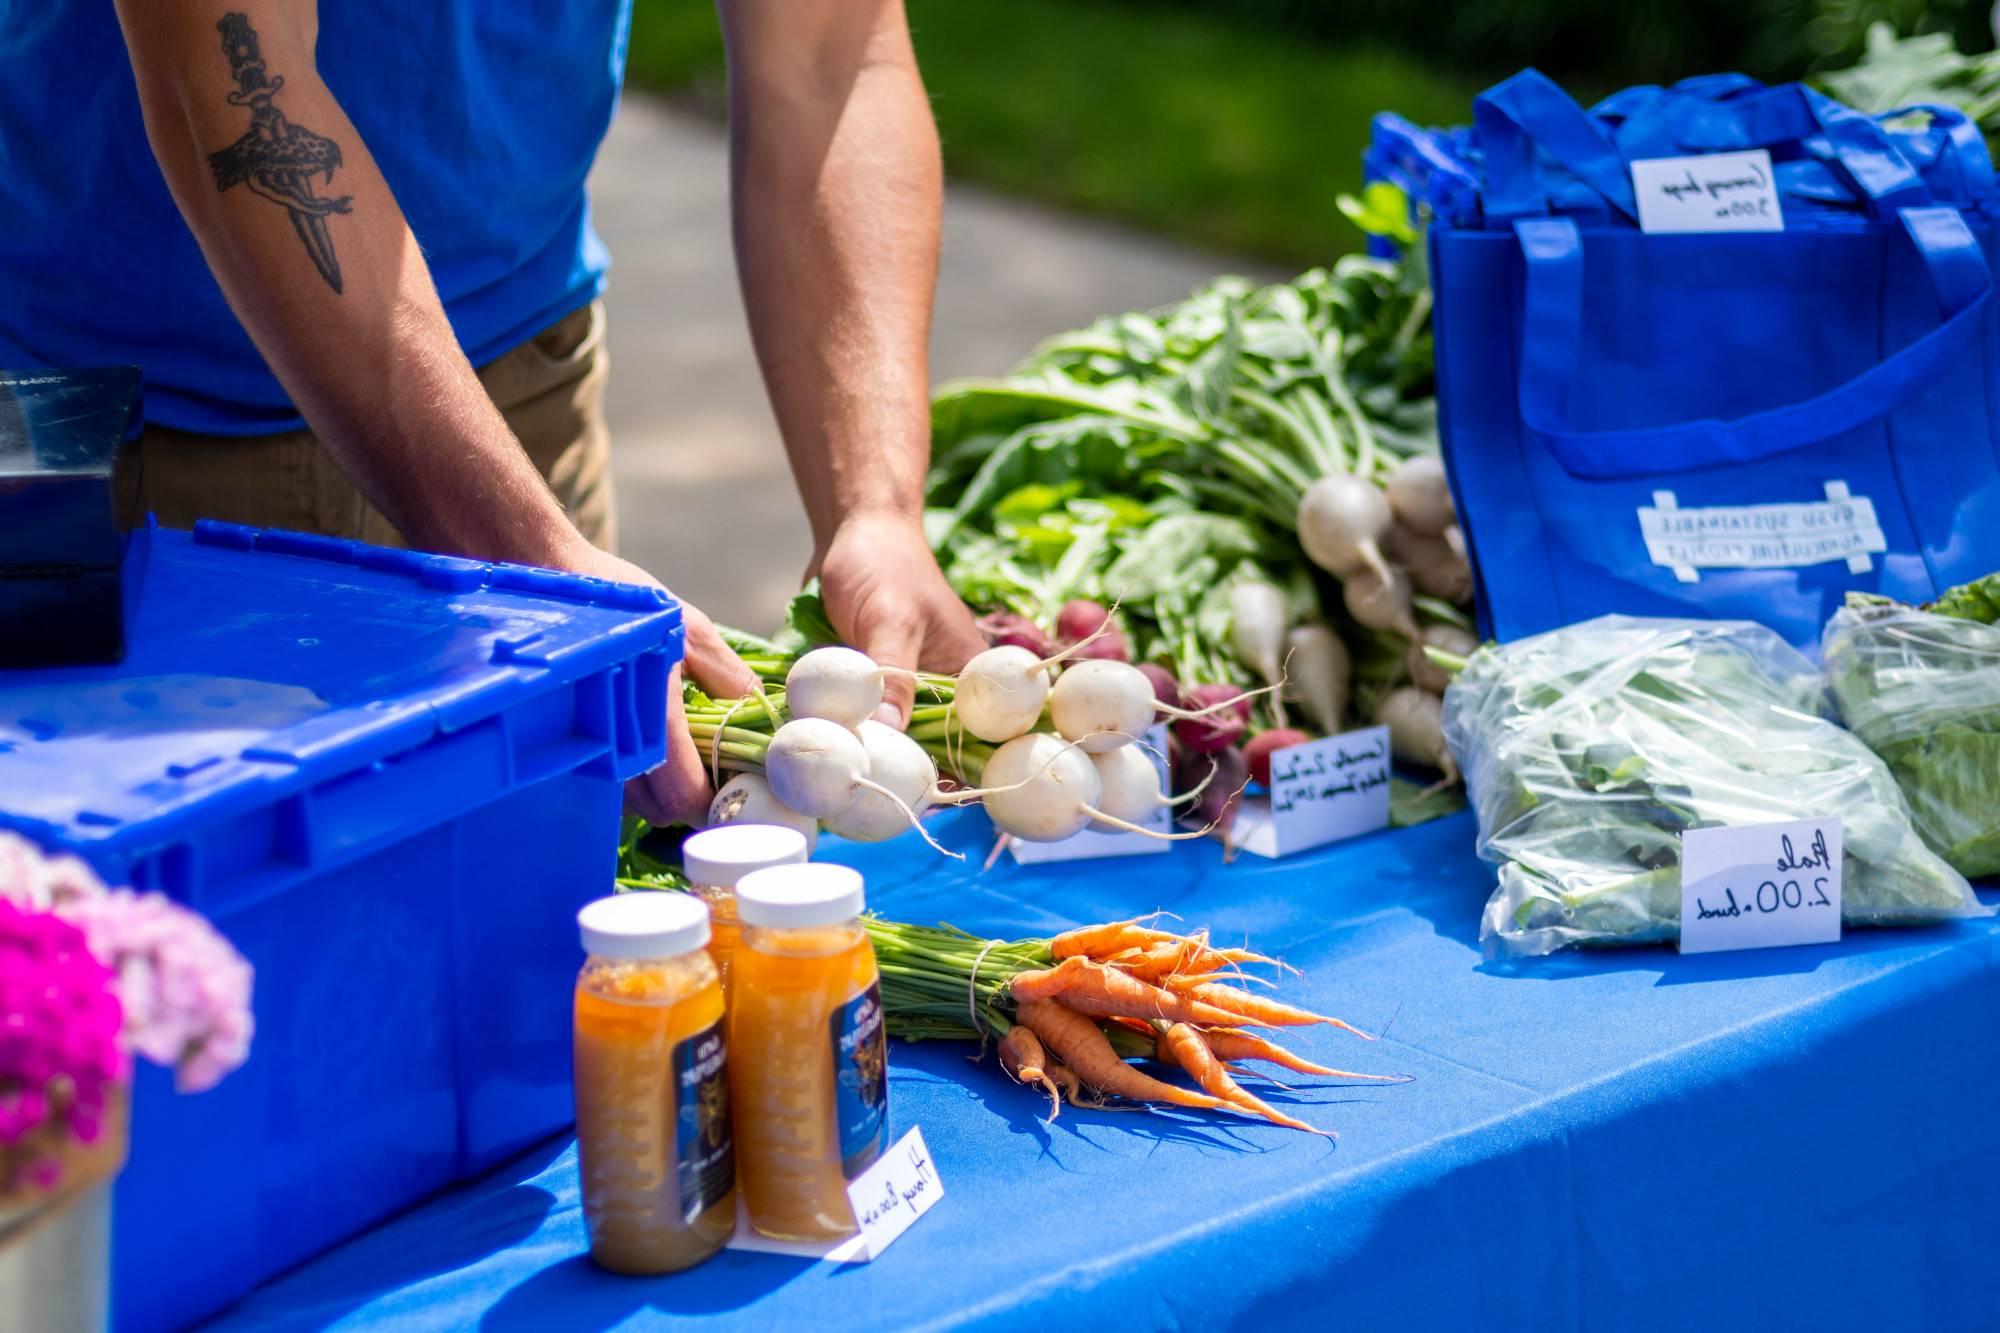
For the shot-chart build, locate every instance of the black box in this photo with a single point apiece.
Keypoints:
(61, 549)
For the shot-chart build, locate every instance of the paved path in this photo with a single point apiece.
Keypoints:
(705, 499)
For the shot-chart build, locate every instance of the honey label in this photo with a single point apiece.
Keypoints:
(861, 1080)
(704, 1148)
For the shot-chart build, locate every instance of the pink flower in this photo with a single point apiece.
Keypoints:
(185, 991)
(60, 1055)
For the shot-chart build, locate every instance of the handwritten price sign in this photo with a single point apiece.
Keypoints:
(1757, 886)
(1712, 192)
(1321, 791)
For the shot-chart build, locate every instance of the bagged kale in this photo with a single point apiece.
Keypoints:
(1589, 750)
(1922, 688)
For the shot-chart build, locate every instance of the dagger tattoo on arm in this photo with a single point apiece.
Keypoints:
(275, 158)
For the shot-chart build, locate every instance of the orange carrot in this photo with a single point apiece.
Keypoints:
(1110, 938)
(1106, 992)
(1231, 1044)
(1022, 1057)
(1184, 1046)
(1085, 1049)
(1260, 1010)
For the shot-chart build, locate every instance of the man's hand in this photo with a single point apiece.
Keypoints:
(677, 792)
(885, 594)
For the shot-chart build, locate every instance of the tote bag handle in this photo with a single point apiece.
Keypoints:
(1528, 114)
(1552, 337)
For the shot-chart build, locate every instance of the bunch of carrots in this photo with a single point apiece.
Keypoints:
(1068, 1012)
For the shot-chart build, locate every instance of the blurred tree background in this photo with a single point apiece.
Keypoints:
(1236, 123)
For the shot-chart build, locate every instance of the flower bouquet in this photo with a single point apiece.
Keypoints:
(89, 977)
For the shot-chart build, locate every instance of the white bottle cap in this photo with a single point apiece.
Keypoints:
(723, 855)
(646, 923)
(816, 894)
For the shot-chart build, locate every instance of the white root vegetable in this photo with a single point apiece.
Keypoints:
(1257, 627)
(1342, 520)
(1042, 789)
(1420, 495)
(747, 799)
(836, 684)
(815, 766)
(1000, 693)
(1131, 787)
(1380, 600)
(1102, 705)
(1433, 565)
(1427, 674)
(905, 786)
(1415, 719)
(1320, 670)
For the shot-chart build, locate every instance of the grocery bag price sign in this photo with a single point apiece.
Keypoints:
(1710, 192)
(1321, 791)
(887, 1199)
(1758, 886)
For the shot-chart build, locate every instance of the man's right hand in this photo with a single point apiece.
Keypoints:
(678, 791)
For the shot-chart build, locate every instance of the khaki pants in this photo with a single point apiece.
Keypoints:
(550, 389)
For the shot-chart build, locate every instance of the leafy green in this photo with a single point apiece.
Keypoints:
(1896, 72)
(1591, 749)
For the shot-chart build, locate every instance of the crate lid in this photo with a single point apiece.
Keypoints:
(263, 662)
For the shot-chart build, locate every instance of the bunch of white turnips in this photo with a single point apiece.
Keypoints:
(833, 764)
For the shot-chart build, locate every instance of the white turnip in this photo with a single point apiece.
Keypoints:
(1042, 789)
(1000, 693)
(1432, 564)
(1427, 674)
(1380, 600)
(836, 684)
(1320, 669)
(816, 767)
(1129, 779)
(905, 784)
(1415, 719)
(1257, 628)
(747, 799)
(1102, 705)
(1342, 520)
(1419, 494)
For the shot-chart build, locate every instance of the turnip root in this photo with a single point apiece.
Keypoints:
(1130, 780)
(1320, 668)
(1257, 753)
(1215, 727)
(1415, 719)
(816, 767)
(837, 684)
(1004, 629)
(747, 799)
(1432, 564)
(1103, 705)
(1380, 600)
(1419, 494)
(904, 785)
(1042, 789)
(1427, 674)
(1342, 521)
(1000, 693)
(1257, 628)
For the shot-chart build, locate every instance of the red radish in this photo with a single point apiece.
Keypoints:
(1004, 629)
(1213, 731)
(1166, 689)
(1108, 646)
(1224, 772)
(1257, 752)
(1079, 619)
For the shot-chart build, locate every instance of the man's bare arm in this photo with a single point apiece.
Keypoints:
(836, 184)
(318, 263)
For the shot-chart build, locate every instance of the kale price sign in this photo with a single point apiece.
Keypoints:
(1756, 886)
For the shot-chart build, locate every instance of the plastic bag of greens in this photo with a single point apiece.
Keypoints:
(1922, 688)
(1589, 750)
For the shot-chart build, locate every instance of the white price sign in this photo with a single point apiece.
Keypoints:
(887, 1199)
(1321, 791)
(1757, 886)
(1711, 192)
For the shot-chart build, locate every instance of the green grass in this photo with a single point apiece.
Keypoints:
(1226, 134)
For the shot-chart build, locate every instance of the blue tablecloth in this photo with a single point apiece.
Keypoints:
(1634, 1140)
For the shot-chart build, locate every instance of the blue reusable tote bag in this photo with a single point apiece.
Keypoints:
(1720, 424)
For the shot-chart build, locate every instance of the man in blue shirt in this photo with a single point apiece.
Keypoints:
(352, 254)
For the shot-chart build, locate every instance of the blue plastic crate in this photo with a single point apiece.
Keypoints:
(390, 779)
